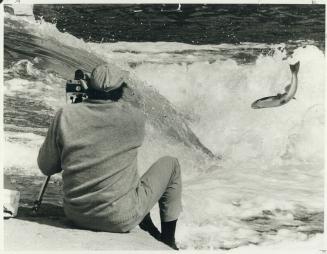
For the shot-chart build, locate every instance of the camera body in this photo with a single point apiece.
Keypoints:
(77, 88)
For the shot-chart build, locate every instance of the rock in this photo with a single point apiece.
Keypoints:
(45, 234)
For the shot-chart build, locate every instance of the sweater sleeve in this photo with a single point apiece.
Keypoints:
(49, 154)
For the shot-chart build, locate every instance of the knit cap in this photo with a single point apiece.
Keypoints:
(107, 77)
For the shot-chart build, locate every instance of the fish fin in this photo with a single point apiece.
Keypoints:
(279, 95)
(287, 88)
(295, 67)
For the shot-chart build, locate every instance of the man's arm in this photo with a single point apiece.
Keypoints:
(49, 155)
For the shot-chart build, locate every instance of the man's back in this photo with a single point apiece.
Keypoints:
(97, 142)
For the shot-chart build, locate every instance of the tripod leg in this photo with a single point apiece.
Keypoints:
(37, 202)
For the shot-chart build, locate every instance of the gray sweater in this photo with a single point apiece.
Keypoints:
(95, 144)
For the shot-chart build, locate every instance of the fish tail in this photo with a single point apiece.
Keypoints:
(295, 67)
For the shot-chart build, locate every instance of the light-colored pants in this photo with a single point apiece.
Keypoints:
(161, 183)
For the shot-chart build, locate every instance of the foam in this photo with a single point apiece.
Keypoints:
(217, 95)
(21, 151)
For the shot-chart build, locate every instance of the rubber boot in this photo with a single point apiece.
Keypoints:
(168, 233)
(147, 225)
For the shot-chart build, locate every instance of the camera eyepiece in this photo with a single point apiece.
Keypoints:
(79, 74)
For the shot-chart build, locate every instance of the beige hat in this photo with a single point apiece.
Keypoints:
(107, 77)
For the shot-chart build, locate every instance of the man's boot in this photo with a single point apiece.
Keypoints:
(147, 225)
(168, 233)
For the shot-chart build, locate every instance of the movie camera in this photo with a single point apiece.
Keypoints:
(77, 88)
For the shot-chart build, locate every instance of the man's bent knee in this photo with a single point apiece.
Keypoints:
(169, 159)
(173, 162)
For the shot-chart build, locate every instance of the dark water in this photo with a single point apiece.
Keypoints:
(26, 114)
(193, 24)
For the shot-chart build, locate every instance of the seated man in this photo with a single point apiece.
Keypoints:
(94, 144)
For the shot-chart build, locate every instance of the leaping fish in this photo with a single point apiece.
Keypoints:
(280, 99)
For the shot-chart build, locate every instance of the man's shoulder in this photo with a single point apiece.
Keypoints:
(70, 107)
(67, 109)
(132, 110)
(121, 109)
